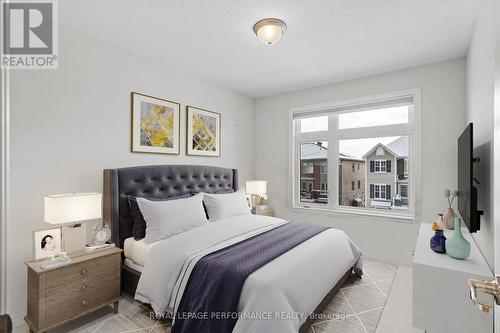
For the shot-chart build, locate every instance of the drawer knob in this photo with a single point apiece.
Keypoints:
(84, 287)
(85, 270)
(85, 302)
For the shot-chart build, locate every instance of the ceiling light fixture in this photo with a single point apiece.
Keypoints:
(269, 30)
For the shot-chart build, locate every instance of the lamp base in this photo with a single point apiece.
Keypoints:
(73, 238)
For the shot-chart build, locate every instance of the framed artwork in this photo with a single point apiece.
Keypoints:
(46, 243)
(203, 132)
(155, 125)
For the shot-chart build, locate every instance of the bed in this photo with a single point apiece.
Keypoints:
(271, 288)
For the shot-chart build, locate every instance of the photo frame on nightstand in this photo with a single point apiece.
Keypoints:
(46, 243)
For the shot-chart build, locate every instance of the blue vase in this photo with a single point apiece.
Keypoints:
(457, 246)
(438, 242)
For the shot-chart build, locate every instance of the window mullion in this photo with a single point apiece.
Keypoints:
(333, 162)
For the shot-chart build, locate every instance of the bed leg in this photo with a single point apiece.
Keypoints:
(358, 272)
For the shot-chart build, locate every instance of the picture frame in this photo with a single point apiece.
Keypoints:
(47, 243)
(155, 125)
(203, 132)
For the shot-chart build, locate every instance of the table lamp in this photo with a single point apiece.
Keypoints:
(257, 190)
(70, 210)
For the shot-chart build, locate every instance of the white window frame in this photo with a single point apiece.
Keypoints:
(380, 166)
(380, 192)
(412, 129)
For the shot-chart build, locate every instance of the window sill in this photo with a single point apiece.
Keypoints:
(382, 215)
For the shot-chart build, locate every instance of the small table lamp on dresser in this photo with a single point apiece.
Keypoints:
(70, 210)
(257, 190)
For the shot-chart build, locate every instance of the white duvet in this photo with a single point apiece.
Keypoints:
(279, 293)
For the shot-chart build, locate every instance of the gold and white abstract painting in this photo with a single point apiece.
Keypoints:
(203, 132)
(155, 125)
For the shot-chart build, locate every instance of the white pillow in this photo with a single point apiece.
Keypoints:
(222, 206)
(167, 218)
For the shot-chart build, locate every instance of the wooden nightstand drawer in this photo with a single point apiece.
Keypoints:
(84, 287)
(89, 282)
(105, 291)
(88, 269)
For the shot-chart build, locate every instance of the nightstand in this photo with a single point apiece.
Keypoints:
(56, 296)
(267, 212)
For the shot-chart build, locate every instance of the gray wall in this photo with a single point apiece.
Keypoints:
(480, 111)
(69, 124)
(443, 116)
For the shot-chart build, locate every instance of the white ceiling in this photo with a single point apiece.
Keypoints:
(326, 41)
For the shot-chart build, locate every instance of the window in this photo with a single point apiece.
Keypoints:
(362, 145)
(380, 191)
(314, 124)
(380, 166)
(314, 172)
(403, 191)
(323, 169)
(307, 168)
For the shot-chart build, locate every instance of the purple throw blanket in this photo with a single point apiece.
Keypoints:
(210, 300)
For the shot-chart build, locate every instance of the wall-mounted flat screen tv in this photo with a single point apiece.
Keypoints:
(467, 199)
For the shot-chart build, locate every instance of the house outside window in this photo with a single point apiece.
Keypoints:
(360, 152)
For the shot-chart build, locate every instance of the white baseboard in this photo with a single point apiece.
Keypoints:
(18, 319)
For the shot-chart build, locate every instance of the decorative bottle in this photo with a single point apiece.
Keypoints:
(457, 246)
(438, 242)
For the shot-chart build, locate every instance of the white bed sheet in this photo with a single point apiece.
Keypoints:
(294, 283)
(130, 264)
(137, 251)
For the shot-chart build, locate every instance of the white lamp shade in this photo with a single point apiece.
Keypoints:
(258, 187)
(72, 207)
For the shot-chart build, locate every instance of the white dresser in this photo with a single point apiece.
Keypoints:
(441, 302)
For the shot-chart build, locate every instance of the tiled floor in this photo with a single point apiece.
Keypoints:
(359, 304)
(356, 308)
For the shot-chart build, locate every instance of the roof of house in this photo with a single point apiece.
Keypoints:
(347, 157)
(398, 148)
(314, 151)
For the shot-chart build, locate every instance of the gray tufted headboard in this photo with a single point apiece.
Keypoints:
(158, 181)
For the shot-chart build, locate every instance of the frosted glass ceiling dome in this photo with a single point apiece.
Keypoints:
(269, 30)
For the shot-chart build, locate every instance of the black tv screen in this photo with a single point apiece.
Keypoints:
(467, 199)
